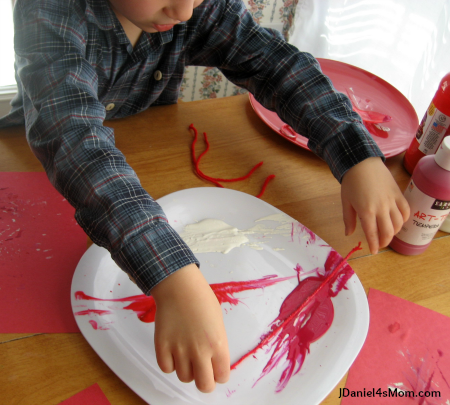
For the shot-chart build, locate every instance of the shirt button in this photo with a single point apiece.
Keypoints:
(157, 75)
(110, 106)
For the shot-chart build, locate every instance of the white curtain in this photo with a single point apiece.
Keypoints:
(405, 42)
(7, 78)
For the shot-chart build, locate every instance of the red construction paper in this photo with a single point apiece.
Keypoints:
(408, 348)
(90, 396)
(40, 246)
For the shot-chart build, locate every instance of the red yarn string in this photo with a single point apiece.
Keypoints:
(197, 160)
(264, 186)
(216, 180)
(299, 309)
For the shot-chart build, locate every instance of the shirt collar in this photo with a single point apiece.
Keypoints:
(158, 38)
(99, 12)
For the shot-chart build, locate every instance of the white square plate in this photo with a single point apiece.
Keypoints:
(276, 245)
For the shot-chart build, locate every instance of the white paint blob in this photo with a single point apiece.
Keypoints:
(214, 235)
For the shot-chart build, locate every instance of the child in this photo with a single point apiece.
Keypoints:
(79, 62)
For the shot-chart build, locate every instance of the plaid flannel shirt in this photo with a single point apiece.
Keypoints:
(73, 59)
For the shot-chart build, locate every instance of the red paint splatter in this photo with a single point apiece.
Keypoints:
(419, 377)
(441, 354)
(300, 230)
(93, 311)
(230, 393)
(394, 327)
(224, 291)
(374, 130)
(297, 334)
(427, 388)
(145, 308)
(95, 325)
(305, 315)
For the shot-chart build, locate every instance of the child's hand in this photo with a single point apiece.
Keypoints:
(369, 190)
(190, 335)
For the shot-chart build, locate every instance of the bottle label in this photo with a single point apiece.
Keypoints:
(433, 128)
(427, 215)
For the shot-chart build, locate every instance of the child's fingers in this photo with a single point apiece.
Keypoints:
(397, 220)
(183, 368)
(164, 359)
(203, 373)
(385, 230)
(370, 228)
(221, 366)
(349, 215)
(403, 206)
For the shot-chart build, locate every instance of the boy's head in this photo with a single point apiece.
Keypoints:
(154, 15)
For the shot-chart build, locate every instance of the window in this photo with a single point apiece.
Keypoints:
(7, 79)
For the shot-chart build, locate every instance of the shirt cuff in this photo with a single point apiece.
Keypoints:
(353, 145)
(154, 255)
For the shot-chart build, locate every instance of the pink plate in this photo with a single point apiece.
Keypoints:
(369, 93)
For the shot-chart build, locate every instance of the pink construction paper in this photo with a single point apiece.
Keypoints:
(408, 349)
(90, 396)
(40, 246)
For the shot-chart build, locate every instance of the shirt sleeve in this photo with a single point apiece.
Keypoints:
(64, 126)
(285, 80)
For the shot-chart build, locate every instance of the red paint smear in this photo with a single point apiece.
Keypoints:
(145, 308)
(420, 377)
(394, 327)
(143, 305)
(427, 388)
(224, 291)
(375, 131)
(95, 325)
(300, 230)
(442, 374)
(441, 354)
(305, 315)
(93, 311)
(297, 334)
(230, 393)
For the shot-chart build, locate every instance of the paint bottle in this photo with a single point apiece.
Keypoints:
(428, 195)
(433, 128)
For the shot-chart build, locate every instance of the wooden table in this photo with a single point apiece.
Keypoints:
(48, 368)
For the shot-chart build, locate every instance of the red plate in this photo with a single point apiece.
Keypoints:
(371, 94)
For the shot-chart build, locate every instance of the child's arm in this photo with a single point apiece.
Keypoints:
(66, 77)
(291, 83)
(190, 336)
(369, 191)
(64, 120)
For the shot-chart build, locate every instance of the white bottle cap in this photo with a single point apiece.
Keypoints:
(442, 156)
(446, 225)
